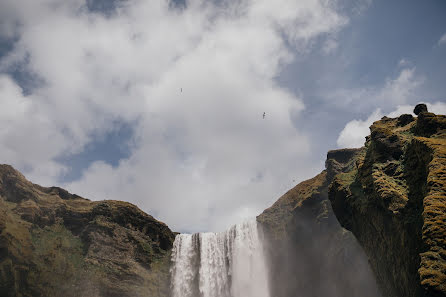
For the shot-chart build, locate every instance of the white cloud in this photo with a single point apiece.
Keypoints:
(28, 138)
(203, 157)
(354, 133)
(442, 39)
(394, 91)
(399, 90)
(404, 63)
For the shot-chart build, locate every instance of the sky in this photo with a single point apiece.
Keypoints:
(160, 103)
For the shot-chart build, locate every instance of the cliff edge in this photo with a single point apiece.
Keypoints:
(391, 195)
(308, 251)
(394, 201)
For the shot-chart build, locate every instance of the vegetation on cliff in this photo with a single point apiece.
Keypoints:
(394, 202)
(53, 243)
(310, 254)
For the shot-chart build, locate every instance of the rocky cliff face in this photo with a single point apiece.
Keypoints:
(53, 243)
(310, 254)
(394, 201)
(391, 194)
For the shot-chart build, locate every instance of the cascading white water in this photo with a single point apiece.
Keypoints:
(227, 264)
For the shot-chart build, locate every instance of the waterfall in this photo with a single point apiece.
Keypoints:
(227, 264)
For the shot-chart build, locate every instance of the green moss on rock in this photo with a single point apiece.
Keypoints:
(53, 243)
(310, 254)
(394, 203)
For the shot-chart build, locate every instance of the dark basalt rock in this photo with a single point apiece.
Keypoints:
(419, 108)
(429, 124)
(405, 119)
(387, 146)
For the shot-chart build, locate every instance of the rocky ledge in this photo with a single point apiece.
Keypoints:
(394, 201)
(53, 243)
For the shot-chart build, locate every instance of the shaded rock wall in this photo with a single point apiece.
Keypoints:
(310, 254)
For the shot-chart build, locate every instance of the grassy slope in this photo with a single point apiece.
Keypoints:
(53, 243)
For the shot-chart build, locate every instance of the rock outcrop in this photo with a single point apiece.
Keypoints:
(391, 194)
(394, 201)
(53, 243)
(310, 254)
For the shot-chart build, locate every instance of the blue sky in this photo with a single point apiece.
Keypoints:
(370, 50)
(92, 100)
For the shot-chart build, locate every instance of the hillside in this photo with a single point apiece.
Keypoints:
(53, 243)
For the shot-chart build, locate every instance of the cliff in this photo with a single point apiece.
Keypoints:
(391, 194)
(53, 243)
(394, 201)
(309, 253)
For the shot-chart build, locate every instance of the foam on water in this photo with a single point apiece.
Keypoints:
(226, 264)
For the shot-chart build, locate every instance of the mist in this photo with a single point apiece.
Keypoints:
(319, 260)
(243, 262)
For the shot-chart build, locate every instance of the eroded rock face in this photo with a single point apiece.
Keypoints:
(53, 243)
(394, 202)
(310, 254)
(419, 108)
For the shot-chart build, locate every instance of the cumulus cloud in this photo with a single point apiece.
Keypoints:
(354, 133)
(196, 81)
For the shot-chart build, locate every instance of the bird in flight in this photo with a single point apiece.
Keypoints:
(264, 114)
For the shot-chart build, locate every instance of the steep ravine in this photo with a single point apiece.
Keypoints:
(376, 217)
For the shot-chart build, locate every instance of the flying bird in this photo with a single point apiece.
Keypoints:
(264, 115)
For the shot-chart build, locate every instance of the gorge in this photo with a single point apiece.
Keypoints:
(226, 264)
(372, 224)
